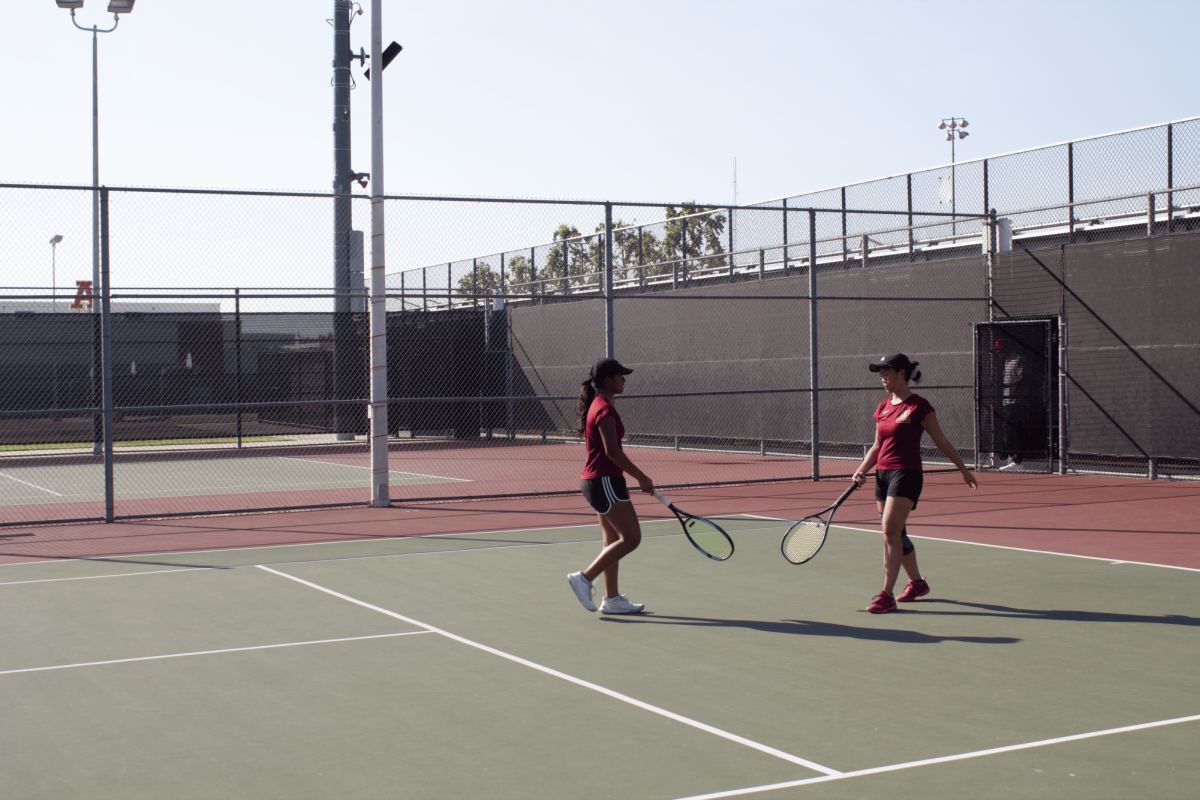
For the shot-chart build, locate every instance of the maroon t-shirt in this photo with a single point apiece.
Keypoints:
(900, 432)
(598, 464)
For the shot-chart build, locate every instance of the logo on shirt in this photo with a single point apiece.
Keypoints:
(904, 416)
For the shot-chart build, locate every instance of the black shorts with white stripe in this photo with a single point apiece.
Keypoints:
(601, 493)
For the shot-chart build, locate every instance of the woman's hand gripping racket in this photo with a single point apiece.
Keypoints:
(804, 539)
(704, 534)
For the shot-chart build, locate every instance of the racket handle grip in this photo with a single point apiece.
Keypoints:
(658, 496)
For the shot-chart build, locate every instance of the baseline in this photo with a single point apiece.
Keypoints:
(359, 466)
(942, 759)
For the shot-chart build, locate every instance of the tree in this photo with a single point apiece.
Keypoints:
(480, 281)
(690, 235)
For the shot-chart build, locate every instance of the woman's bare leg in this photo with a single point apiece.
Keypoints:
(622, 535)
(895, 515)
(909, 562)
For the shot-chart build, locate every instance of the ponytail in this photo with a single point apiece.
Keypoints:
(587, 393)
(916, 373)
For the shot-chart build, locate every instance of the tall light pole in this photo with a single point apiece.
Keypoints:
(54, 273)
(116, 8)
(952, 126)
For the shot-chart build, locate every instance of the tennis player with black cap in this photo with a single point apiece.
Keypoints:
(900, 422)
(604, 487)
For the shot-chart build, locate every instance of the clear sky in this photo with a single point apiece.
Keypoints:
(648, 100)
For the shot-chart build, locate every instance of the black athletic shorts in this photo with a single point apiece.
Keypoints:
(899, 483)
(601, 493)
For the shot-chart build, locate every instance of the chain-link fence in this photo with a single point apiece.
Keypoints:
(748, 328)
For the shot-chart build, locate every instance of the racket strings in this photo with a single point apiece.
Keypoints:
(803, 540)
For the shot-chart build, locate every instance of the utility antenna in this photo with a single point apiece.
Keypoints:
(735, 192)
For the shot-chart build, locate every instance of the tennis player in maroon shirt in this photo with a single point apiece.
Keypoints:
(900, 422)
(603, 486)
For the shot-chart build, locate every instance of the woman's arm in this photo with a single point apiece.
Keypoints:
(616, 454)
(930, 424)
(872, 456)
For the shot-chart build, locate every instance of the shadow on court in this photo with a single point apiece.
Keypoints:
(1056, 615)
(810, 628)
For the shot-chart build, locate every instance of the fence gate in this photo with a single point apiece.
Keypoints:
(1014, 394)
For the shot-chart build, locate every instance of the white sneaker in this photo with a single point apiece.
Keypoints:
(583, 590)
(1009, 465)
(620, 605)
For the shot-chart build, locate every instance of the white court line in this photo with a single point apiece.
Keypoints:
(569, 678)
(114, 575)
(1003, 547)
(358, 466)
(941, 760)
(27, 483)
(209, 652)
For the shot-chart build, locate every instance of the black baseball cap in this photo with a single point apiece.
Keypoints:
(607, 367)
(896, 361)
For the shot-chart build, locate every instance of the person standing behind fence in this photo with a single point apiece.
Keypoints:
(900, 421)
(603, 486)
(1014, 406)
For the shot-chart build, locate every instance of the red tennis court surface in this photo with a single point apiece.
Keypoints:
(1109, 518)
(182, 482)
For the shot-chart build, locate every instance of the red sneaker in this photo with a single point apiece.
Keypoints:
(914, 590)
(882, 603)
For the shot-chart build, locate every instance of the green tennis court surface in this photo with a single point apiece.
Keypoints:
(186, 477)
(462, 666)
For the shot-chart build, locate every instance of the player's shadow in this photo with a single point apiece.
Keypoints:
(1053, 614)
(803, 627)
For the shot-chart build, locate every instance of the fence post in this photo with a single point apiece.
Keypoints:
(237, 346)
(608, 282)
(866, 242)
(502, 274)
(845, 253)
(762, 263)
(1070, 193)
(1170, 175)
(1062, 395)
(731, 244)
(814, 385)
(641, 261)
(449, 284)
(908, 182)
(683, 249)
(566, 268)
(1150, 214)
(785, 238)
(106, 357)
(474, 282)
(533, 283)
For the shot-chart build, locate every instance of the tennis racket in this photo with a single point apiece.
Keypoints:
(804, 539)
(705, 535)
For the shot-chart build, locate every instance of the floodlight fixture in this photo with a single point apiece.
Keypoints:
(949, 137)
(962, 124)
(71, 4)
(963, 134)
(120, 6)
(942, 125)
(953, 124)
(57, 238)
(389, 54)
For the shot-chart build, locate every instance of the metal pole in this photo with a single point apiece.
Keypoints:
(475, 282)
(106, 356)
(908, 182)
(731, 242)
(641, 261)
(1062, 394)
(379, 385)
(990, 264)
(1170, 175)
(865, 244)
(237, 380)
(813, 383)
(1070, 192)
(343, 348)
(1150, 214)
(785, 237)
(608, 283)
(762, 263)
(97, 425)
(845, 254)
